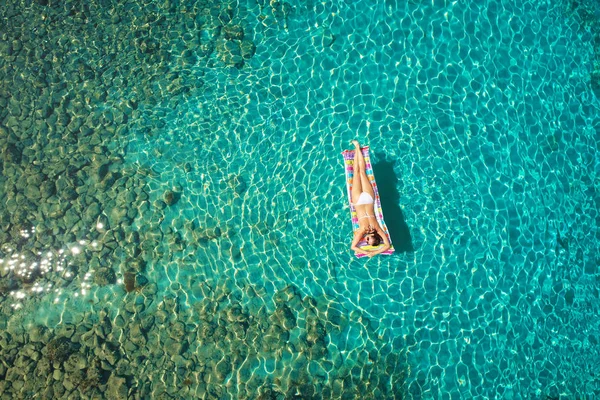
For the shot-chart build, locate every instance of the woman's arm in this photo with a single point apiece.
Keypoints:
(357, 236)
(386, 241)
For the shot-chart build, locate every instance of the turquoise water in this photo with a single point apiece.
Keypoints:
(174, 215)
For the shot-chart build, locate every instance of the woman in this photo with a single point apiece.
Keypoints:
(363, 200)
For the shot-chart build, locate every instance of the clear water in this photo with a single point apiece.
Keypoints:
(483, 127)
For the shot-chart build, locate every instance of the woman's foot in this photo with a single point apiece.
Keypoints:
(356, 144)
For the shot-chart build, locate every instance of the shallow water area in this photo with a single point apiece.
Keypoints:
(174, 221)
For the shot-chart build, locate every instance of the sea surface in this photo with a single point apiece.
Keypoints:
(173, 211)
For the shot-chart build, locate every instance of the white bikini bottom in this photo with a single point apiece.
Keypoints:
(364, 198)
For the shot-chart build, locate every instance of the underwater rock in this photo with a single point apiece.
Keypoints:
(140, 280)
(5, 48)
(309, 302)
(87, 131)
(75, 124)
(66, 189)
(222, 369)
(71, 218)
(284, 317)
(212, 233)
(93, 375)
(47, 189)
(35, 178)
(89, 339)
(109, 180)
(108, 354)
(14, 108)
(117, 387)
(160, 205)
(238, 329)
(281, 9)
(177, 330)
(147, 323)
(135, 305)
(150, 290)
(275, 337)
(132, 237)
(32, 192)
(318, 350)
(92, 212)
(65, 330)
(236, 314)
(15, 372)
(129, 281)
(58, 389)
(43, 367)
(237, 183)
(205, 331)
(17, 385)
(104, 276)
(204, 235)
(206, 49)
(12, 154)
(73, 379)
(16, 45)
(45, 110)
(134, 265)
(336, 320)
(269, 393)
(75, 362)
(136, 334)
(229, 53)
(119, 321)
(101, 171)
(148, 46)
(219, 335)
(288, 294)
(225, 15)
(30, 351)
(161, 316)
(328, 38)
(59, 349)
(172, 347)
(189, 57)
(233, 31)
(48, 392)
(176, 240)
(170, 197)
(247, 48)
(38, 334)
(8, 284)
(316, 333)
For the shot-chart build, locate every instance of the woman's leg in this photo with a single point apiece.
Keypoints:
(356, 179)
(365, 183)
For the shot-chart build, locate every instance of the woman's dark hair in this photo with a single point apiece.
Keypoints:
(378, 238)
